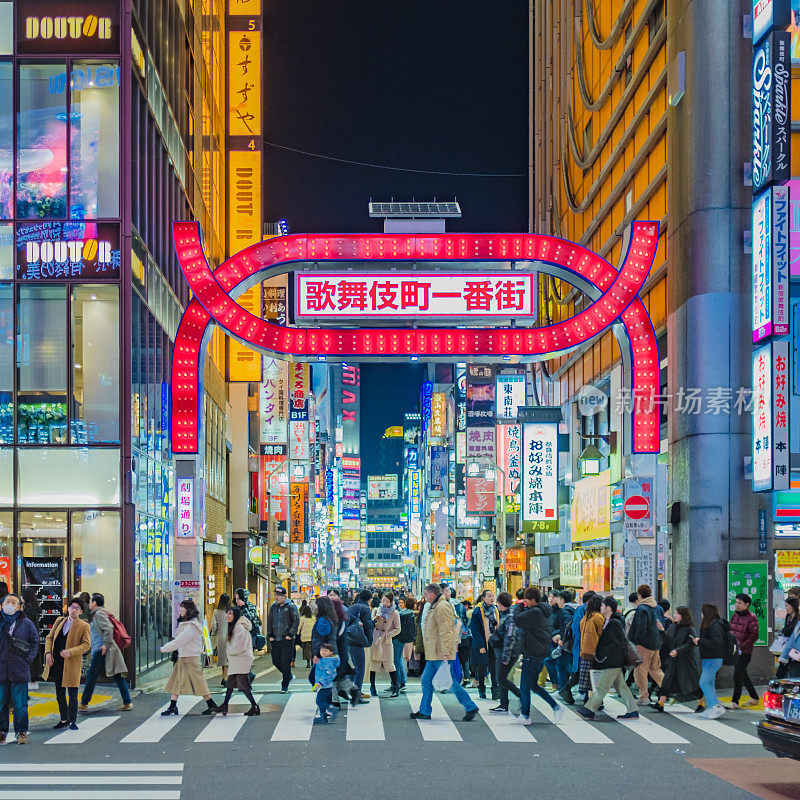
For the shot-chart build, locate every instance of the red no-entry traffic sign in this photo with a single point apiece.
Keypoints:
(637, 507)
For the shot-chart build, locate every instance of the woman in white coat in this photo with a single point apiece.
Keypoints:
(187, 676)
(240, 660)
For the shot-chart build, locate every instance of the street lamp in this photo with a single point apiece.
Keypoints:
(589, 461)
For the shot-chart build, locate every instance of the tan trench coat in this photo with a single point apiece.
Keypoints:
(381, 652)
(79, 642)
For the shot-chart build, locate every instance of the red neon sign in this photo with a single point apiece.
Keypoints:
(213, 303)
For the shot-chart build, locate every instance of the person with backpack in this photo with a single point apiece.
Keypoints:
(712, 642)
(359, 637)
(744, 626)
(609, 662)
(507, 643)
(408, 632)
(645, 635)
(106, 634)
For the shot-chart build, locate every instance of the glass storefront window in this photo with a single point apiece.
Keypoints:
(95, 364)
(68, 476)
(6, 28)
(6, 363)
(95, 540)
(6, 129)
(6, 233)
(6, 549)
(42, 142)
(94, 140)
(42, 364)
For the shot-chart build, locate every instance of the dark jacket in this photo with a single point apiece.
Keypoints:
(360, 610)
(249, 611)
(567, 613)
(283, 620)
(507, 638)
(744, 625)
(478, 631)
(788, 626)
(323, 633)
(534, 623)
(555, 618)
(712, 640)
(13, 666)
(644, 628)
(610, 651)
(682, 672)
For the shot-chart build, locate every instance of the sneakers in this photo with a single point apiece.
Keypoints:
(731, 706)
(126, 707)
(753, 702)
(566, 696)
(59, 725)
(712, 713)
(559, 715)
(73, 726)
(643, 701)
(419, 715)
(630, 715)
(583, 711)
(22, 738)
(82, 706)
(470, 715)
(498, 710)
(323, 720)
(701, 707)
(524, 719)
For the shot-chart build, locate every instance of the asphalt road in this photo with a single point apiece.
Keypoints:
(375, 751)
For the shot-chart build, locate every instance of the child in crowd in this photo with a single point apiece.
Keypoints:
(324, 675)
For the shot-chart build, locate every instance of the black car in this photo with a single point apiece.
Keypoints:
(780, 731)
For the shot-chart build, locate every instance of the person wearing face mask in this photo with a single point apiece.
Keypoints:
(64, 647)
(19, 645)
(387, 626)
(485, 619)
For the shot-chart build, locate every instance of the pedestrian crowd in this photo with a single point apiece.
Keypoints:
(561, 645)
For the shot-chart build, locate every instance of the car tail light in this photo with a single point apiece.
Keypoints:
(772, 701)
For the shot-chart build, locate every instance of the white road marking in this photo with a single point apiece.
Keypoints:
(89, 727)
(89, 794)
(712, 727)
(224, 729)
(53, 767)
(504, 726)
(439, 728)
(296, 721)
(67, 780)
(644, 726)
(365, 723)
(155, 727)
(576, 728)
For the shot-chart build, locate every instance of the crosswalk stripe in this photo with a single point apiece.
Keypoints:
(90, 794)
(439, 728)
(67, 780)
(155, 727)
(644, 727)
(504, 726)
(365, 723)
(88, 728)
(54, 767)
(224, 729)
(712, 727)
(577, 729)
(296, 721)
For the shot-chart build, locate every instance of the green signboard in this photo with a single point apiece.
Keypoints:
(750, 577)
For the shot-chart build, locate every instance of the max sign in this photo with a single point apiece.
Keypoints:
(615, 294)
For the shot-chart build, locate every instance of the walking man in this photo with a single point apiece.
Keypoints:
(744, 626)
(441, 644)
(283, 621)
(644, 633)
(105, 655)
(19, 646)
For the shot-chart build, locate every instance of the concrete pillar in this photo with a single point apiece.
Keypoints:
(709, 340)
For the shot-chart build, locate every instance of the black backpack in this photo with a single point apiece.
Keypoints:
(730, 652)
(408, 629)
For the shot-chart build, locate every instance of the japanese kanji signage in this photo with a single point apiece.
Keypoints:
(244, 73)
(298, 500)
(273, 479)
(272, 405)
(298, 440)
(438, 295)
(481, 496)
(515, 559)
(770, 233)
(273, 299)
(638, 510)
(509, 455)
(480, 394)
(298, 391)
(771, 417)
(540, 474)
(350, 404)
(510, 393)
(438, 415)
(590, 512)
(481, 444)
(484, 554)
(60, 250)
(465, 554)
(185, 509)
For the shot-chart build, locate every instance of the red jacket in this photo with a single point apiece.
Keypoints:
(744, 626)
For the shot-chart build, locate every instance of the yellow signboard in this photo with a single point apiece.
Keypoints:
(590, 512)
(244, 363)
(438, 415)
(244, 8)
(244, 83)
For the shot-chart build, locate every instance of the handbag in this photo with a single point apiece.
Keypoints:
(20, 646)
(259, 641)
(776, 648)
(443, 679)
(356, 634)
(632, 657)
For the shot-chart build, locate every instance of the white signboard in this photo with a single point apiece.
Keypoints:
(382, 487)
(298, 441)
(483, 294)
(771, 417)
(770, 230)
(462, 518)
(510, 395)
(484, 558)
(540, 472)
(185, 508)
(570, 568)
(272, 401)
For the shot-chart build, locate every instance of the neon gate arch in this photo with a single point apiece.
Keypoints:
(615, 294)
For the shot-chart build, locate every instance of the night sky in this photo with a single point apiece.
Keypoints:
(421, 84)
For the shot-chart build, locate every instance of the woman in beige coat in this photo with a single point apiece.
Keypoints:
(64, 648)
(240, 660)
(219, 634)
(387, 626)
(187, 676)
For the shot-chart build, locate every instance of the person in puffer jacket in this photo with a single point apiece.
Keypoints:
(507, 643)
(744, 626)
